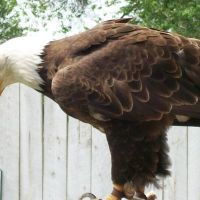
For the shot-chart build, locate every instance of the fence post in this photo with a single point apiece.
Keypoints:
(1, 184)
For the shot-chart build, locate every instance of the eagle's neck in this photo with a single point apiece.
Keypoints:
(20, 60)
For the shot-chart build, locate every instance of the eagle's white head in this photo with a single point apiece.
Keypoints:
(19, 61)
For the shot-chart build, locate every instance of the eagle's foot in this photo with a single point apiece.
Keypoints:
(132, 192)
(127, 191)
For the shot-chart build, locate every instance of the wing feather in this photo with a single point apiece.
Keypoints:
(133, 73)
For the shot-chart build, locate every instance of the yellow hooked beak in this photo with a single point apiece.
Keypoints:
(1, 87)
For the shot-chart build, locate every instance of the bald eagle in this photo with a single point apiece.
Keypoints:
(129, 81)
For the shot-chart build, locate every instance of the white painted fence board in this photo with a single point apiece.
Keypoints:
(30, 144)
(85, 155)
(73, 159)
(176, 185)
(9, 142)
(193, 163)
(79, 159)
(101, 165)
(55, 152)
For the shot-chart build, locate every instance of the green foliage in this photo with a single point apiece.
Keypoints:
(30, 15)
(181, 16)
(9, 20)
(39, 13)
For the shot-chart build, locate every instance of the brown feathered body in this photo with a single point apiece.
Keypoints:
(130, 82)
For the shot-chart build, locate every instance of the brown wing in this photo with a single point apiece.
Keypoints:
(128, 72)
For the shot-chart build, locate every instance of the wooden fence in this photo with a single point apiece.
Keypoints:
(45, 155)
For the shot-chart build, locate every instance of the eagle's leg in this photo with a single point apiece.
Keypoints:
(136, 193)
(130, 192)
(139, 155)
(123, 191)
